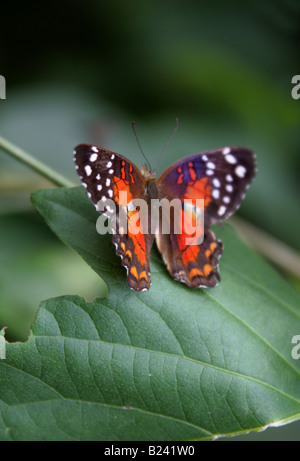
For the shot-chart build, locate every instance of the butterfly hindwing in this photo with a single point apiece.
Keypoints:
(134, 251)
(195, 265)
(106, 176)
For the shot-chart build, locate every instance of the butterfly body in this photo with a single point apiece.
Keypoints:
(151, 186)
(219, 178)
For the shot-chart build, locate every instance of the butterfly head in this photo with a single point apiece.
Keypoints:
(147, 173)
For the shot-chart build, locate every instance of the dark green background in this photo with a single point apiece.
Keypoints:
(82, 71)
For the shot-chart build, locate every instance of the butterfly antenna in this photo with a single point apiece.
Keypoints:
(167, 143)
(137, 139)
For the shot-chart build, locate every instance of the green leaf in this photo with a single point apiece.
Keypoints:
(168, 364)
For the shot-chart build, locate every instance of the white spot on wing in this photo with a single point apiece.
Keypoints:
(109, 164)
(226, 150)
(107, 183)
(93, 157)
(221, 210)
(216, 193)
(226, 199)
(88, 170)
(211, 165)
(240, 171)
(95, 149)
(230, 158)
(229, 178)
(216, 182)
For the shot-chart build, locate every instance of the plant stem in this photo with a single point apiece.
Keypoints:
(44, 170)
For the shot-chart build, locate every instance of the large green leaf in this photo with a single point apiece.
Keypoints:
(168, 364)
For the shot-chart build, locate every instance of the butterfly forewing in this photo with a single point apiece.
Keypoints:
(105, 173)
(220, 177)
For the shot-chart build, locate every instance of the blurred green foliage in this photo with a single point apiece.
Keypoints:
(81, 72)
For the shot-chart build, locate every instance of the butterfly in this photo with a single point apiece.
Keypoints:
(220, 177)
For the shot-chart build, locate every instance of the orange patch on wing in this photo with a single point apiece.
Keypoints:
(180, 179)
(207, 253)
(213, 246)
(207, 269)
(123, 175)
(139, 246)
(123, 246)
(138, 238)
(192, 171)
(143, 275)
(121, 186)
(194, 272)
(191, 228)
(200, 189)
(133, 271)
(130, 173)
(188, 250)
(129, 254)
(190, 254)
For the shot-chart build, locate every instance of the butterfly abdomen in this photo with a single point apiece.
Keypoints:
(152, 189)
